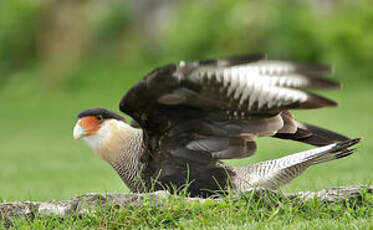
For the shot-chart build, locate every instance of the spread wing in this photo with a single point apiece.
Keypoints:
(214, 109)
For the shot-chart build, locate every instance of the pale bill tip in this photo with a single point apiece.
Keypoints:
(78, 132)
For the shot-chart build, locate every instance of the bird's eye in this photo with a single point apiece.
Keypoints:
(100, 118)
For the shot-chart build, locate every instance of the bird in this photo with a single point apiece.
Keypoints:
(188, 117)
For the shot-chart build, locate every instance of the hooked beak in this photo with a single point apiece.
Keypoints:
(79, 132)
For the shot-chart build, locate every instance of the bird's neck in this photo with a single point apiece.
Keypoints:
(128, 164)
(122, 149)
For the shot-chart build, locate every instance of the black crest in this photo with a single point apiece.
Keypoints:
(98, 111)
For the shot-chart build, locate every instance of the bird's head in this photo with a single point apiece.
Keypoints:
(106, 132)
(100, 128)
(93, 121)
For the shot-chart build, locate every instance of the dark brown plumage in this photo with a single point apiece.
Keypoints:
(193, 114)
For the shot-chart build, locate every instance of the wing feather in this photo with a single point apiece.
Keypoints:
(214, 109)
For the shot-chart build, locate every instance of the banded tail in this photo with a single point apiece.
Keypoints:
(275, 173)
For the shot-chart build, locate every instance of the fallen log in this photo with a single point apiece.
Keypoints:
(90, 202)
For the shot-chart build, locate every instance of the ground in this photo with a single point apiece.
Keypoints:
(253, 210)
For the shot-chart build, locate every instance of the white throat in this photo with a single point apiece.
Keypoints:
(111, 139)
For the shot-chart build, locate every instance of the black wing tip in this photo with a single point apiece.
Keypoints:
(314, 68)
(323, 83)
(315, 101)
(317, 136)
(331, 135)
(333, 84)
(242, 59)
(232, 60)
(330, 103)
(345, 153)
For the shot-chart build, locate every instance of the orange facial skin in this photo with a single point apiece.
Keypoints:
(90, 124)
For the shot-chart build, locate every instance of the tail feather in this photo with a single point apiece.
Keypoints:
(278, 172)
(345, 153)
(336, 151)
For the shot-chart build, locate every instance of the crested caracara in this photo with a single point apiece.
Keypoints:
(189, 116)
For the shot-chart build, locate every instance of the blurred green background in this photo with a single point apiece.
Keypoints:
(60, 57)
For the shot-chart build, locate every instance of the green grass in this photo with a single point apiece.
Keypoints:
(39, 160)
(269, 211)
